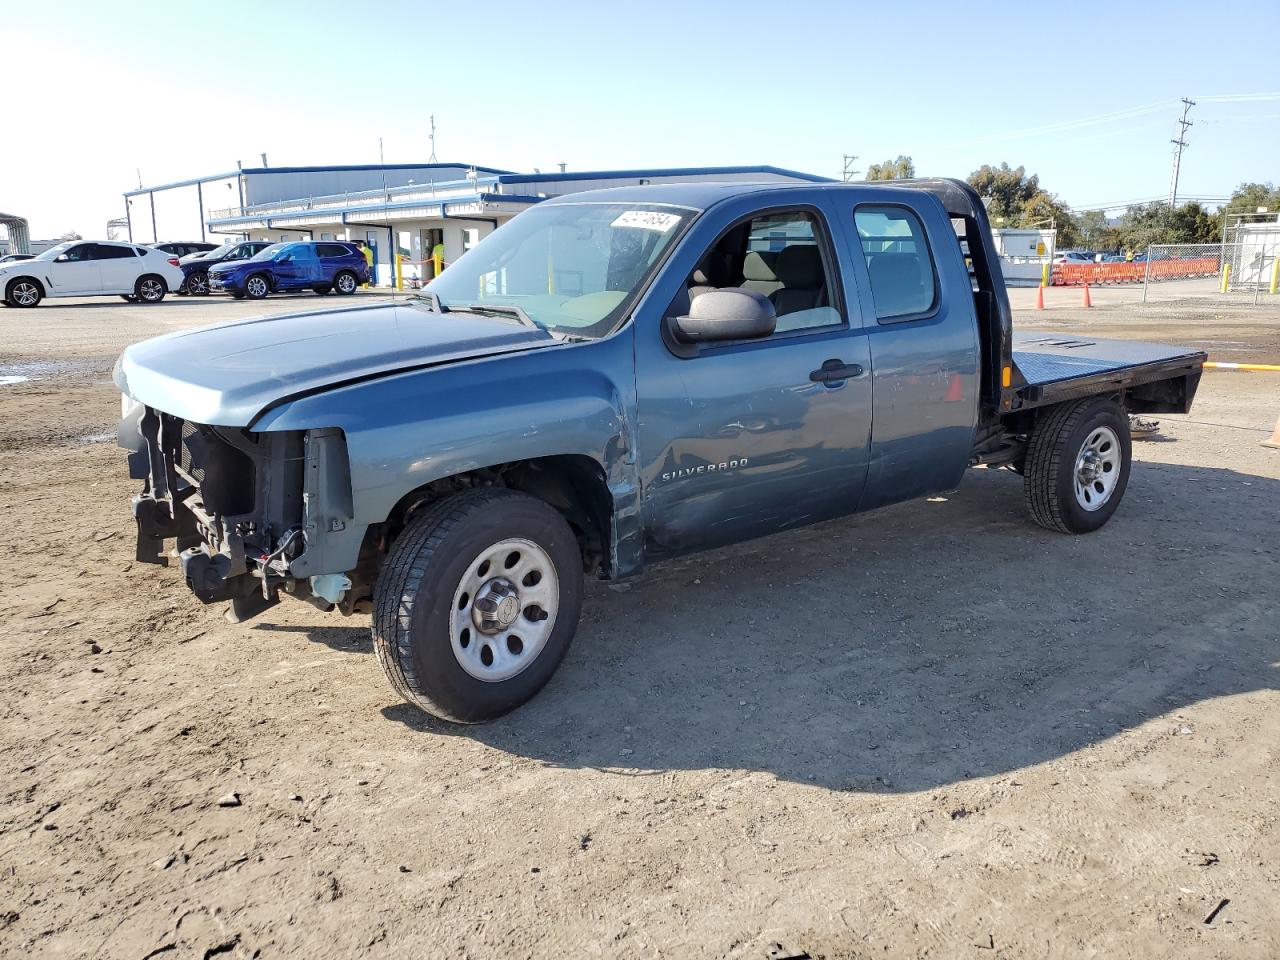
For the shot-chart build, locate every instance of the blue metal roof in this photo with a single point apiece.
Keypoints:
(328, 169)
(658, 172)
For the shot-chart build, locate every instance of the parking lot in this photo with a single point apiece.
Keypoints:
(936, 730)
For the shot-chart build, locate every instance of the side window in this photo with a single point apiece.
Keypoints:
(329, 250)
(780, 255)
(899, 262)
(79, 253)
(105, 251)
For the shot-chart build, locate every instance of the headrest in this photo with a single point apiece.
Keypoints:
(713, 271)
(758, 265)
(799, 266)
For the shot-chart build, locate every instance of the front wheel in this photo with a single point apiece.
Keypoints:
(149, 289)
(198, 284)
(24, 292)
(1077, 465)
(477, 603)
(345, 283)
(256, 287)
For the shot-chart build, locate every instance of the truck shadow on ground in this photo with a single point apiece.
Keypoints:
(920, 645)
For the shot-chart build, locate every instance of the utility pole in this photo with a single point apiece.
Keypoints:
(1178, 146)
(849, 173)
(432, 158)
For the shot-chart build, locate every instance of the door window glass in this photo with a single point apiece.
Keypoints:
(105, 251)
(779, 255)
(899, 262)
(78, 253)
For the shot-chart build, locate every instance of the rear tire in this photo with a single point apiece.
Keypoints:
(448, 572)
(24, 292)
(1077, 466)
(198, 284)
(149, 289)
(256, 287)
(345, 283)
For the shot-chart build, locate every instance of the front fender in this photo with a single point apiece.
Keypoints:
(405, 430)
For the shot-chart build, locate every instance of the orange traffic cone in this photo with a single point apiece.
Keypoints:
(1040, 297)
(1087, 301)
(1275, 437)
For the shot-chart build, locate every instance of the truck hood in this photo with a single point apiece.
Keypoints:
(228, 374)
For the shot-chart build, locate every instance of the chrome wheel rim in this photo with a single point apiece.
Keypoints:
(150, 290)
(346, 283)
(1097, 468)
(504, 610)
(257, 287)
(25, 294)
(198, 283)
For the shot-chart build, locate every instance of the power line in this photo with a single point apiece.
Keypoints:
(1179, 145)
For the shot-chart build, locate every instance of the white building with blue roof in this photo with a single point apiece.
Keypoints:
(402, 210)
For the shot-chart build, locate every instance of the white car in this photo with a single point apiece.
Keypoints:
(90, 268)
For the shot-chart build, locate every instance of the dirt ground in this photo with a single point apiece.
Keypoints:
(932, 731)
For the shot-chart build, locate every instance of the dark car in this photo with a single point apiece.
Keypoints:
(180, 248)
(195, 266)
(296, 265)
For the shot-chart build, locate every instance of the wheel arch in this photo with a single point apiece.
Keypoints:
(44, 291)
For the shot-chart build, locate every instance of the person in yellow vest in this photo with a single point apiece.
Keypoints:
(368, 258)
(437, 259)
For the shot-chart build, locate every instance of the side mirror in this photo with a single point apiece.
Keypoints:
(60, 258)
(727, 315)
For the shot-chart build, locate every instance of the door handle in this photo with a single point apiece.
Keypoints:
(834, 371)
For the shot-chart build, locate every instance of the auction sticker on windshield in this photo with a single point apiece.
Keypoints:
(646, 220)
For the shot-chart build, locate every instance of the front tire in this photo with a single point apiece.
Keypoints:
(477, 603)
(1077, 466)
(24, 292)
(149, 289)
(256, 287)
(345, 283)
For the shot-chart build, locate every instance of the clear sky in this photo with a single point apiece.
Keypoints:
(1084, 94)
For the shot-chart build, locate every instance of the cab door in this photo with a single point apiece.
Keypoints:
(923, 331)
(298, 268)
(76, 270)
(746, 438)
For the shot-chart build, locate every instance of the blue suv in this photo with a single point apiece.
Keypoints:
(324, 267)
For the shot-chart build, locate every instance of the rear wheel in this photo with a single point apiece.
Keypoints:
(345, 283)
(149, 289)
(256, 287)
(1077, 466)
(477, 603)
(198, 284)
(24, 292)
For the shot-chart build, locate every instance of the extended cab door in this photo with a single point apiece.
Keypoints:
(922, 327)
(750, 437)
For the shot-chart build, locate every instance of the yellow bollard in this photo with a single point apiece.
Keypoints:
(1226, 277)
(1044, 275)
(399, 279)
(1275, 273)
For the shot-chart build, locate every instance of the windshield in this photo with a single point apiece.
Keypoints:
(572, 268)
(55, 251)
(271, 252)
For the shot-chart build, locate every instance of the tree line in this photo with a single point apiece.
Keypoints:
(1015, 198)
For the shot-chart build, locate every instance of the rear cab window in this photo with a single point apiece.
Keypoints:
(899, 262)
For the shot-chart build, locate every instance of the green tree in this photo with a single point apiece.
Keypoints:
(1093, 229)
(1014, 199)
(1248, 197)
(900, 169)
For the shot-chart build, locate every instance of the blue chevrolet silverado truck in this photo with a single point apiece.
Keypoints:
(609, 379)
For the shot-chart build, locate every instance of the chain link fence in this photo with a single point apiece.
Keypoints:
(1165, 262)
(1251, 256)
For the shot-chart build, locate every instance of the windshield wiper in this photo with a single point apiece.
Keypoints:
(432, 298)
(503, 309)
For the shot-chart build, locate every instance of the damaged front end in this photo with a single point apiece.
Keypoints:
(246, 510)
